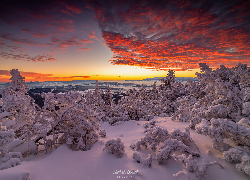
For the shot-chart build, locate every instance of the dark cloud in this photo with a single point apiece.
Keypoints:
(26, 57)
(175, 34)
(17, 40)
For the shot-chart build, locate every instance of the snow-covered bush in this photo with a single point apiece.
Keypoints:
(150, 124)
(80, 126)
(244, 166)
(169, 147)
(240, 155)
(189, 164)
(144, 161)
(222, 93)
(115, 146)
(11, 155)
(183, 136)
(152, 138)
(5, 138)
(10, 163)
(220, 129)
(102, 133)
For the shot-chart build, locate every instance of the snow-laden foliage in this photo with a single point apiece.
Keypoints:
(144, 161)
(220, 129)
(241, 156)
(62, 113)
(169, 147)
(189, 164)
(102, 133)
(79, 125)
(10, 163)
(152, 138)
(115, 146)
(221, 93)
(11, 155)
(183, 136)
(150, 124)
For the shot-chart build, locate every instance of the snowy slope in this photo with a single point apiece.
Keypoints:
(95, 164)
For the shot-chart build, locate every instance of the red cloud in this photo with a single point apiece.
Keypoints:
(92, 35)
(83, 49)
(73, 8)
(63, 43)
(86, 41)
(176, 35)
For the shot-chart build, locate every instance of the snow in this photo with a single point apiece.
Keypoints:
(95, 164)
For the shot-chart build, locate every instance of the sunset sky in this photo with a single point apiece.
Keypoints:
(54, 40)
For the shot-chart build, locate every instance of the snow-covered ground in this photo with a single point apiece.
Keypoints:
(96, 164)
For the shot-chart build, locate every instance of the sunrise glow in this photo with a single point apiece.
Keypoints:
(120, 40)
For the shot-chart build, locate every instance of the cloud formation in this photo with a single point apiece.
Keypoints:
(26, 57)
(33, 76)
(175, 34)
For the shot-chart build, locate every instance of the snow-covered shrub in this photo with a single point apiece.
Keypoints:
(5, 138)
(149, 124)
(169, 147)
(10, 163)
(184, 107)
(222, 93)
(115, 146)
(244, 166)
(102, 133)
(80, 126)
(189, 164)
(246, 109)
(235, 154)
(152, 138)
(245, 122)
(220, 129)
(240, 155)
(183, 136)
(11, 155)
(114, 114)
(144, 161)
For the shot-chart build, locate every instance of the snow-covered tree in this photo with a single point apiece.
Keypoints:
(108, 96)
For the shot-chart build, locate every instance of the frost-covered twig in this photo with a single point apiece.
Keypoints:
(189, 164)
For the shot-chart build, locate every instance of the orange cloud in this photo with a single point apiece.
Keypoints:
(33, 76)
(92, 35)
(83, 49)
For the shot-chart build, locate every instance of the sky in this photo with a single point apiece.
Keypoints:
(62, 40)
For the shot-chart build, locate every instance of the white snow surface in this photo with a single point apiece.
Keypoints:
(95, 164)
